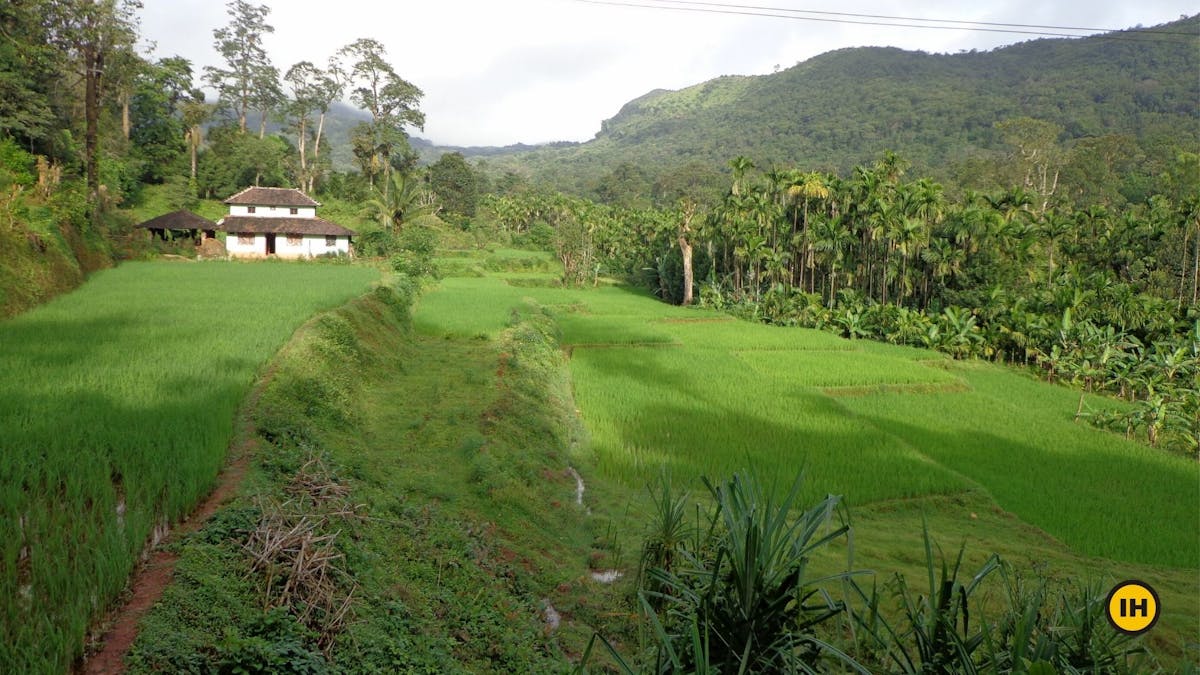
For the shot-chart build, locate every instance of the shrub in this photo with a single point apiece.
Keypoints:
(16, 165)
(738, 599)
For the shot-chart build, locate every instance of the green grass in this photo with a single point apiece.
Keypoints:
(1095, 491)
(456, 459)
(468, 307)
(706, 396)
(841, 368)
(117, 403)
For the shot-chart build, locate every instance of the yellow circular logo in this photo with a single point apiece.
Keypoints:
(1133, 607)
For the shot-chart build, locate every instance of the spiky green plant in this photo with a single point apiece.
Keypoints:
(742, 601)
(934, 635)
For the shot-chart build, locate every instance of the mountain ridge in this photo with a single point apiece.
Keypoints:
(846, 107)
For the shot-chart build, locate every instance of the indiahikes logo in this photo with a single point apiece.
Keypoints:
(1133, 607)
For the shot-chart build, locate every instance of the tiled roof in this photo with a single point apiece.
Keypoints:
(178, 220)
(263, 196)
(252, 224)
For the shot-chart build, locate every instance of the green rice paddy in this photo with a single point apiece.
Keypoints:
(117, 404)
(702, 394)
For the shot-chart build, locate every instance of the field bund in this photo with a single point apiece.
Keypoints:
(116, 409)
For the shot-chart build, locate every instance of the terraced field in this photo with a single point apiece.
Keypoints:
(703, 394)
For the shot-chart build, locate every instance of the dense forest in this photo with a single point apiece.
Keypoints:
(1128, 98)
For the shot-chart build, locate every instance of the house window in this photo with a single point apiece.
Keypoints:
(250, 209)
(295, 240)
(245, 238)
(331, 240)
(293, 210)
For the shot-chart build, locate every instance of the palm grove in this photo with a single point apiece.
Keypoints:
(1100, 296)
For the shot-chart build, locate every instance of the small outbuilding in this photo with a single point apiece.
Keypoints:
(179, 225)
(281, 222)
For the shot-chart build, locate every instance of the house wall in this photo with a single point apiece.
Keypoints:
(257, 249)
(273, 211)
(310, 246)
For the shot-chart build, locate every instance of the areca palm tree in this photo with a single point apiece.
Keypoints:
(1053, 229)
(833, 239)
(804, 187)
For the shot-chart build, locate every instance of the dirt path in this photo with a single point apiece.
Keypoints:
(151, 577)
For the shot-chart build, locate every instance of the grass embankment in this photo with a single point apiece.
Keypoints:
(48, 250)
(988, 455)
(116, 404)
(432, 473)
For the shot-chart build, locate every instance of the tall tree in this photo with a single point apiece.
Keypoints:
(90, 32)
(392, 101)
(303, 78)
(329, 88)
(195, 113)
(268, 95)
(1037, 156)
(28, 68)
(240, 44)
(455, 183)
(156, 127)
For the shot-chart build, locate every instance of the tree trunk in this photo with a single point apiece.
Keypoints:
(1195, 268)
(685, 250)
(312, 179)
(303, 137)
(126, 124)
(262, 124)
(93, 63)
(194, 146)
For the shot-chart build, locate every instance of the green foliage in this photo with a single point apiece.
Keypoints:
(234, 160)
(740, 597)
(415, 250)
(455, 184)
(950, 629)
(156, 128)
(16, 165)
(272, 644)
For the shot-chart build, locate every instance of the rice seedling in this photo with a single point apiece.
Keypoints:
(842, 368)
(117, 405)
(1095, 491)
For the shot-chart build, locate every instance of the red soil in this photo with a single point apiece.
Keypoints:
(151, 579)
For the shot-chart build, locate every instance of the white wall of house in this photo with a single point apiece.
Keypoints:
(273, 211)
(235, 247)
(309, 246)
(306, 246)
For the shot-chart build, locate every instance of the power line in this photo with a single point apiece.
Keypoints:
(911, 18)
(745, 10)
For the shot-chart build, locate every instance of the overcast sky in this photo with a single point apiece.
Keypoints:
(496, 72)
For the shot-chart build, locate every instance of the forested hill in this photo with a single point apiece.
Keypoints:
(846, 107)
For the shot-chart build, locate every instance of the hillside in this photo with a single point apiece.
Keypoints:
(846, 107)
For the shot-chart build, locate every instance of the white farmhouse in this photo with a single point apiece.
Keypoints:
(282, 222)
